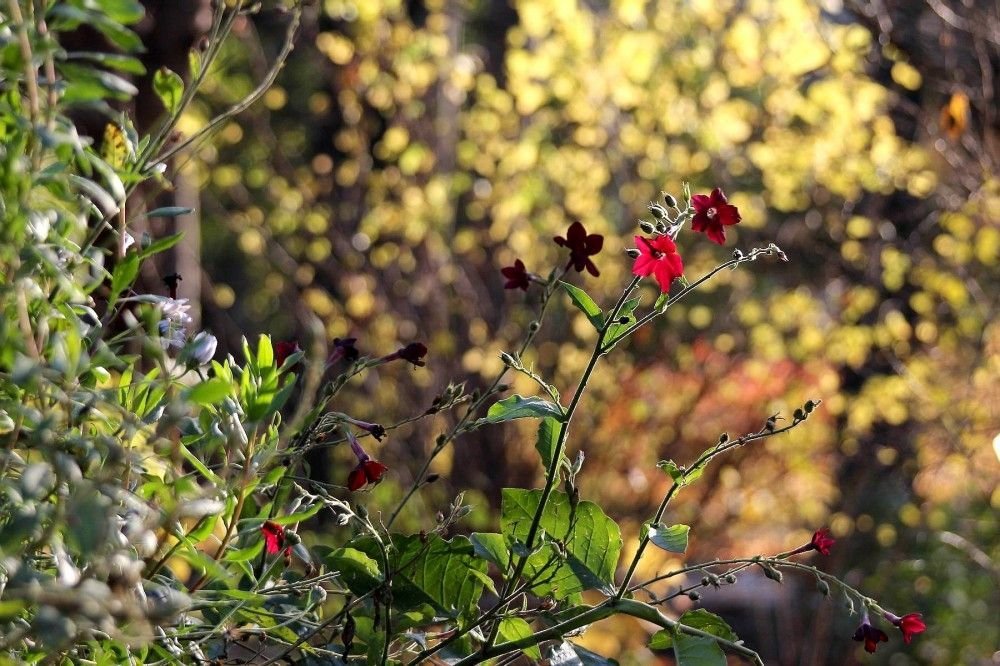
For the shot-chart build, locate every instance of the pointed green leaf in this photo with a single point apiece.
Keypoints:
(358, 571)
(441, 570)
(697, 651)
(208, 392)
(160, 245)
(169, 87)
(548, 437)
(592, 541)
(124, 275)
(673, 539)
(519, 407)
(515, 628)
(626, 318)
(585, 304)
(491, 547)
(170, 211)
(708, 622)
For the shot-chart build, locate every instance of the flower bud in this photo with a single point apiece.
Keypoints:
(632, 252)
(730, 579)
(823, 587)
(658, 211)
(431, 478)
(669, 200)
(646, 226)
(809, 406)
(694, 595)
(534, 326)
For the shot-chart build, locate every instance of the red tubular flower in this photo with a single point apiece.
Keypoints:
(517, 276)
(367, 470)
(283, 350)
(871, 636)
(274, 536)
(712, 214)
(822, 541)
(581, 247)
(658, 257)
(910, 624)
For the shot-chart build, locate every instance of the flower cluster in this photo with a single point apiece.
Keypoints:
(656, 256)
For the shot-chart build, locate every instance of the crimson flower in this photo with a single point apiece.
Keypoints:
(658, 257)
(344, 349)
(517, 276)
(712, 214)
(822, 541)
(581, 247)
(910, 624)
(871, 636)
(367, 470)
(283, 350)
(274, 537)
(413, 352)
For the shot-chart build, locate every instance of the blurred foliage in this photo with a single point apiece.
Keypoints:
(411, 149)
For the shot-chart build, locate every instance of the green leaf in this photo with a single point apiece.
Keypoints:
(680, 476)
(90, 84)
(123, 63)
(585, 304)
(515, 628)
(169, 87)
(627, 318)
(491, 547)
(358, 571)
(124, 275)
(208, 392)
(709, 623)
(265, 353)
(661, 302)
(661, 640)
(170, 211)
(673, 539)
(160, 244)
(519, 407)
(697, 651)
(548, 437)
(592, 541)
(441, 570)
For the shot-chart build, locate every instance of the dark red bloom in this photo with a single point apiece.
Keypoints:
(367, 470)
(274, 536)
(517, 276)
(822, 541)
(283, 350)
(581, 247)
(413, 352)
(344, 349)
(712, 214)
(171, 282)
(658, 257)
(871, 636)
(910, 624)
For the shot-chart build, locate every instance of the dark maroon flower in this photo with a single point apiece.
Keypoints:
(517, 276)
(284, 349)
(712, 214)
(374, 429)
(274, 536)
(367, 470)
(871, 636)
(413, 352)
(344, 349)
(822, 541)
(581, 247)
(910, 624)
(658, 257)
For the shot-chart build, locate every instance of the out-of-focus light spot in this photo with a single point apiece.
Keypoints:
(360, 241)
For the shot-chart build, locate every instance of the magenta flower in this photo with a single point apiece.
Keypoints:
(822, 541)
(343, 349)
(517, 276)
(413, 353)
(712, 214)
(658, 257)
(274, 537)
(581, 247)
(910, 624)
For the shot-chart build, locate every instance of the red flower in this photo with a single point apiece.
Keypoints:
(367, 470)
(871, 636)
(822, 541)
(581, 247)
(658, 257)
(517, 276)
(283, 350)
(343, 349)
(712, 214)
(910, 625)
(274, 536)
